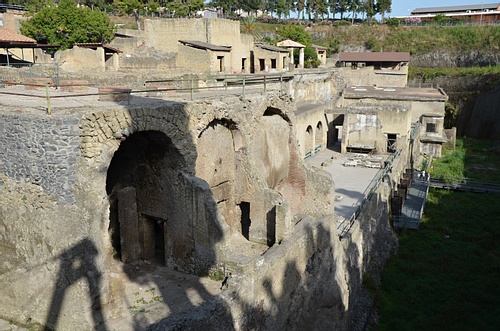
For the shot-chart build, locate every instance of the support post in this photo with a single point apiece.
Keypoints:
(192, 89)
(49, 111)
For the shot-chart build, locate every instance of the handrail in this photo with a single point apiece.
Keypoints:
(347, 223)
(232, 80)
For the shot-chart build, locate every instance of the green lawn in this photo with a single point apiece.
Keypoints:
(471, 158)
(446, 276)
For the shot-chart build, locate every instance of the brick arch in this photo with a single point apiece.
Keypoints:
(107, 129)
(318, 136)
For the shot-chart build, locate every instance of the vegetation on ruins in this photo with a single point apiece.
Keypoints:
(66, 24)
(445, 275)
(470, 159)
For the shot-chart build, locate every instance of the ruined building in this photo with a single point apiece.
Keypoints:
(105, 194)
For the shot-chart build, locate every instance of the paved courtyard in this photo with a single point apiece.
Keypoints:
(350, 181)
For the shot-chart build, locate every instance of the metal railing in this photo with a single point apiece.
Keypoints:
(466, 184)
(237, 83)
(18, 71)
(215, 85)
(346, 224)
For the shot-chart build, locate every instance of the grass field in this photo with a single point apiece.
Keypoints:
(446, 276)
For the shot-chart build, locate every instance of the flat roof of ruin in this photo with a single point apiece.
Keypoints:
(395, 93)
(204, 45)
(272, 48)
(374, 57)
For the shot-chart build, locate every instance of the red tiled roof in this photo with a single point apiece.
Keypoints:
(7, 35)
(375, 57)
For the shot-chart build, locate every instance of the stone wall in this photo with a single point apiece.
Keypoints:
(485, 118)
(311, 281)
(147, 59)
(316, 85)
(312, 129)
(221, 32)
(41, 150)
(368, 76)
(59, 235)
(78, 58)
(369, 124)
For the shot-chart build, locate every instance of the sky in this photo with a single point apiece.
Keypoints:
(404, 7)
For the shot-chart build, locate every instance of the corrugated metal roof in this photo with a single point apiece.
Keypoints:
(290, 43)
(374, 57)
(7, 35)
(204, 45)
(457, 9)
(272, 48)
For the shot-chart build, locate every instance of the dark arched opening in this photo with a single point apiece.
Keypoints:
(141, 185)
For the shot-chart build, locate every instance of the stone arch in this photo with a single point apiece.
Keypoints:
(318, 137)
(309, 141)
(270, 111)
(151, 205)
(217, 145)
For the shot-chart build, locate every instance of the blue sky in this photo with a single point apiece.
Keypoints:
(404, 7)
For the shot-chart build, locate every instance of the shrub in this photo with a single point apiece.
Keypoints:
(392, 22)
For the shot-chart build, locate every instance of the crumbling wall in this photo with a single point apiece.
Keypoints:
(56, 261)
(77, 58)
(369, 124)
(314, 86)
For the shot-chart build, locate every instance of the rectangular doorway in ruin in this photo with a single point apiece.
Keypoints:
(154, 239)
(391, 142)
(220, 60)
(271, 226)
(243, 64)
(245, 219)
(262, 64)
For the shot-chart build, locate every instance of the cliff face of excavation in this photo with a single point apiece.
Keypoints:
(210, 187)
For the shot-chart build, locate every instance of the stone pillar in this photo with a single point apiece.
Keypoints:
(291, 58)
(102, 57)
(116, 61)
(128, 220)
(301, 58)
(283, 220)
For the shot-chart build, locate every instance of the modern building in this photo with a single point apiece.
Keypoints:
(485, 13)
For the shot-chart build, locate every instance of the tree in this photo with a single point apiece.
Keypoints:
(384, 6)
(369, 8)
(342, 7)
(332, 7)
(296, 33)
(281, 7)
(67, 24)
(301, 4)
(321, 8)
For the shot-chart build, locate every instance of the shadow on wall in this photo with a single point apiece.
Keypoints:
(299, 291)
(162, 218)
(168, 217)
(77, 263)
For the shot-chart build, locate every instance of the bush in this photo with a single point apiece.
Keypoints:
(392, 22)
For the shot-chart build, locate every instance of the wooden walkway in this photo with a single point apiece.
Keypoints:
(413, 206)
(466, 185)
